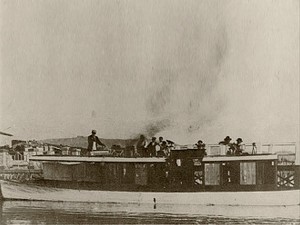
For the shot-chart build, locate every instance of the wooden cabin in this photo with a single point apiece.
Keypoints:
(182, 171)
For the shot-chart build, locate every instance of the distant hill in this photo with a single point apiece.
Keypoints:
(82, 142)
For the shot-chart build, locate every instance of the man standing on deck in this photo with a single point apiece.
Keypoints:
(93, 141)
(141, 146)
(201, 151)
(228, 146)
(160, 141)
(238, 149)
(152, 147)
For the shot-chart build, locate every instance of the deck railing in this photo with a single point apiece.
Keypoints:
(19, 157)
(258, 148)
(287, 152)
(17, 160)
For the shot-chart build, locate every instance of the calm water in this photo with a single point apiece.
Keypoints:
(27, 212)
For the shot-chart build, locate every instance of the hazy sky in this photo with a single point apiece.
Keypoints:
(186, 69)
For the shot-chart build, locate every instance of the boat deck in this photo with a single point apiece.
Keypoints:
(147, 159)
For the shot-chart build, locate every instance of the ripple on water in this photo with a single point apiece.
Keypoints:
(26, 212)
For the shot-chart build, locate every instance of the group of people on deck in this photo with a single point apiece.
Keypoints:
(156, 148)
(235, 148)
(161, 148)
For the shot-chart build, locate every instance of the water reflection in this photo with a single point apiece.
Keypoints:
(34, 212)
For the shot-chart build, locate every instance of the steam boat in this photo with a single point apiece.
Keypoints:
(183, 177)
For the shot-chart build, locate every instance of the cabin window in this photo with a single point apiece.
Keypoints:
(128, 173)
(247, 173)
(231, 173)
(112, 173)
(266, 173)
(78, 172)
(141, 174)
(63, 171)
(212, 174)
(94, 172)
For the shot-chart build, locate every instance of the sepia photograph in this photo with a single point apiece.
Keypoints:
(149, 112)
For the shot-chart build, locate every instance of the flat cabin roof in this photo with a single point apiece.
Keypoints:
(206, 159)
(97, 159)
(239, 158)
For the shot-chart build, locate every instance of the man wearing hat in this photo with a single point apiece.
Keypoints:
(226, 141)
(201, 151)
(141, 146)
(227, 145)
(152, 147)
(238, 146)
(93, 141)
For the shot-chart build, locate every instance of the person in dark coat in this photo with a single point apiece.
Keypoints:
(152, 147)
(238, 147)
(170, 144)
(164, 150)
(160, 140)
(201, 150)
(93, 142)
(141, 146)
(226, 141)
